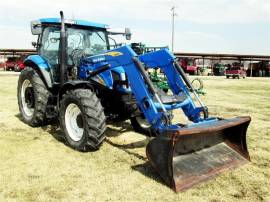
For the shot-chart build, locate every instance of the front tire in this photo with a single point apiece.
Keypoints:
(82, 119)
(32, 97)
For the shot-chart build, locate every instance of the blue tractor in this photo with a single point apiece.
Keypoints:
(79, 79)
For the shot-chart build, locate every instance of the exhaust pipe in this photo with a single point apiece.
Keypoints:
(63, 50)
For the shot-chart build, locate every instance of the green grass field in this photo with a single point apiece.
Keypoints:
(35, 164)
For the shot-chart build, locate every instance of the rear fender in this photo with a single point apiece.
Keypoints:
(41, 66)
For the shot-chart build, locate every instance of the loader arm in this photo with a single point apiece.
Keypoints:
(178, 83)
(148, 100)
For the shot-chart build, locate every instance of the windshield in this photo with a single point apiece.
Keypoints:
(79, 41)
(86, 42)
(91, 41)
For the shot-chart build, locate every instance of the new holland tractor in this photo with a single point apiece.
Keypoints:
(77, 78)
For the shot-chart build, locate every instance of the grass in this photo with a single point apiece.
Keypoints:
(35, 164)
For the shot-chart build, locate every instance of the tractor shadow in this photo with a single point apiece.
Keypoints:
(118, 128)
(56, 132)
(145, 168)
(126, 148)
(148, 171)
(52, 127)
(113, 130)
(18, 116)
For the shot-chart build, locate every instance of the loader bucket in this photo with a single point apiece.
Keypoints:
(190, 155)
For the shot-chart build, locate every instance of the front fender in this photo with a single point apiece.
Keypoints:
(41, 66)
(39, 61)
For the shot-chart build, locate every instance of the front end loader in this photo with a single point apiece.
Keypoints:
(182, 154)
(84, 81)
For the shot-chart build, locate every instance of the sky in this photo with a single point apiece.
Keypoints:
(206, 26)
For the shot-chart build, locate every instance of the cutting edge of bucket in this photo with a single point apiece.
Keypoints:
(178, 187)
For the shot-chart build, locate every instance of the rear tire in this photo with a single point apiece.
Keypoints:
(32, 97)
(82, 120)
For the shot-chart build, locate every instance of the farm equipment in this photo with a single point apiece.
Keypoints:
(77, 78)
(235, 71)
(219, 69)
(189, 65)
(10, 64)
(160, 81)
(19, 66)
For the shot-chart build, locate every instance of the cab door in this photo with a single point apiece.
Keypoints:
(49, 50)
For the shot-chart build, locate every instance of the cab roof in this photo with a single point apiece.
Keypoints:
(74, 22)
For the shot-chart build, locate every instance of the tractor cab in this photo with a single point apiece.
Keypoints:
(83, 38)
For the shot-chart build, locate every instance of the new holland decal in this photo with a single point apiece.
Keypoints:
(114, 53)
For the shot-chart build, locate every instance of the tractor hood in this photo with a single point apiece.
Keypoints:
(91, 60)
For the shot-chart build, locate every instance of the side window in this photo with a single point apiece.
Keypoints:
(50, 45)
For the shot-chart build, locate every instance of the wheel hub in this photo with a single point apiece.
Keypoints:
(79, 121)
(29, 97)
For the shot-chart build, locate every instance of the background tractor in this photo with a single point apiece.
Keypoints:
(77, 77)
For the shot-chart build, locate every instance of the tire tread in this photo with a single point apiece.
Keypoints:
(93, 114)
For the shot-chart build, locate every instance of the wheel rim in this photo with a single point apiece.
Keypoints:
(27, 98)
(74, 122)
(143, 122)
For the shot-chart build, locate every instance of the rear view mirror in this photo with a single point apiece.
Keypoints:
(36, 27)
(127, 33)
(34, 44)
